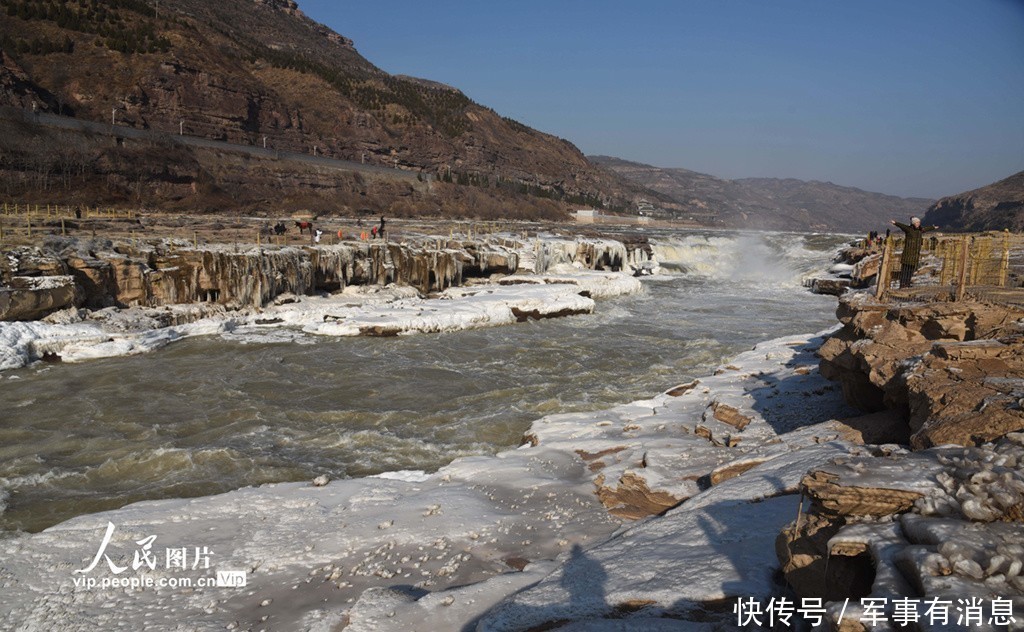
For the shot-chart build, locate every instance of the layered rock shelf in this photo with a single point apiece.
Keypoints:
(34, 282)
(953, 371)
(914, 527)
(894, 532)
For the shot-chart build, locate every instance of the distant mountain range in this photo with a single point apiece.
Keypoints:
(994, 207)
(769, 203)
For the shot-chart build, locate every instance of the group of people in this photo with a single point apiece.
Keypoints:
(315, 234)
(875, 239)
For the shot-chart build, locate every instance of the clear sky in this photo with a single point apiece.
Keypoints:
(909, 97)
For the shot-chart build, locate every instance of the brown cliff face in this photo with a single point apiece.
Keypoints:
(255, 71)
(997, 206)
(34, 283)
(956, 370)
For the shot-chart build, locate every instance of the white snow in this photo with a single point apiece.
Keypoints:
(354, 311)
(410, 476)
(41, 283)
(412, 551)
(22, 343)
(595, 284)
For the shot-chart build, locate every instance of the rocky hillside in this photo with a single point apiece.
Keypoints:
(768, 203)
(260, 71)
(994, 207)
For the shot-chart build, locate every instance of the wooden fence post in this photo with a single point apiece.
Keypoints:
(961, 286)
(882, 282)
(980, 250)
(950, 261)
(1004, 264)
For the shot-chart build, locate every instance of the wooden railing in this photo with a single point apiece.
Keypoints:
(954, 267)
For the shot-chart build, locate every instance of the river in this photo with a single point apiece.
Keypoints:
(211, 414)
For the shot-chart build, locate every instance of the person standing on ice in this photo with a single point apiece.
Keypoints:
(380, 231)
(911, 256)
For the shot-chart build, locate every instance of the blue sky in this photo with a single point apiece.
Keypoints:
(908, 97)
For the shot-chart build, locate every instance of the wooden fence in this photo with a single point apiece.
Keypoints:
(954, 267)
(17, 219)
(23, 224)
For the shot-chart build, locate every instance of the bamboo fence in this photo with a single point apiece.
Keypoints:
(971, 266)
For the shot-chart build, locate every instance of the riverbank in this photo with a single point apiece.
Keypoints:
(647, 515)
(658, 513)
(471, 525)
(721, 255)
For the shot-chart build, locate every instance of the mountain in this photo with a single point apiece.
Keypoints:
(993, 207)
(769, 203)
(257, 72)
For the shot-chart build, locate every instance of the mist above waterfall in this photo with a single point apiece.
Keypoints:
(772, 259)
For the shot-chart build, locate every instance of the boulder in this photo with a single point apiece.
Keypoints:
(834, 287)
(966, 393)
(834, 495)
(865, 271)
(32, 298)
(853, 254)
(29, 262)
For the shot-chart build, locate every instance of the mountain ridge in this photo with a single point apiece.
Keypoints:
(995, 206)
(261, 72)
(770, 203)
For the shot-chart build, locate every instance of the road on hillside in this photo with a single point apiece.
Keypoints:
(122, 131)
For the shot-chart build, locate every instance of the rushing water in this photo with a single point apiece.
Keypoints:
(210, 414)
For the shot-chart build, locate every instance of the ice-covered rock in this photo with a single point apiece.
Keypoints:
(939, 524)
(31, 298)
